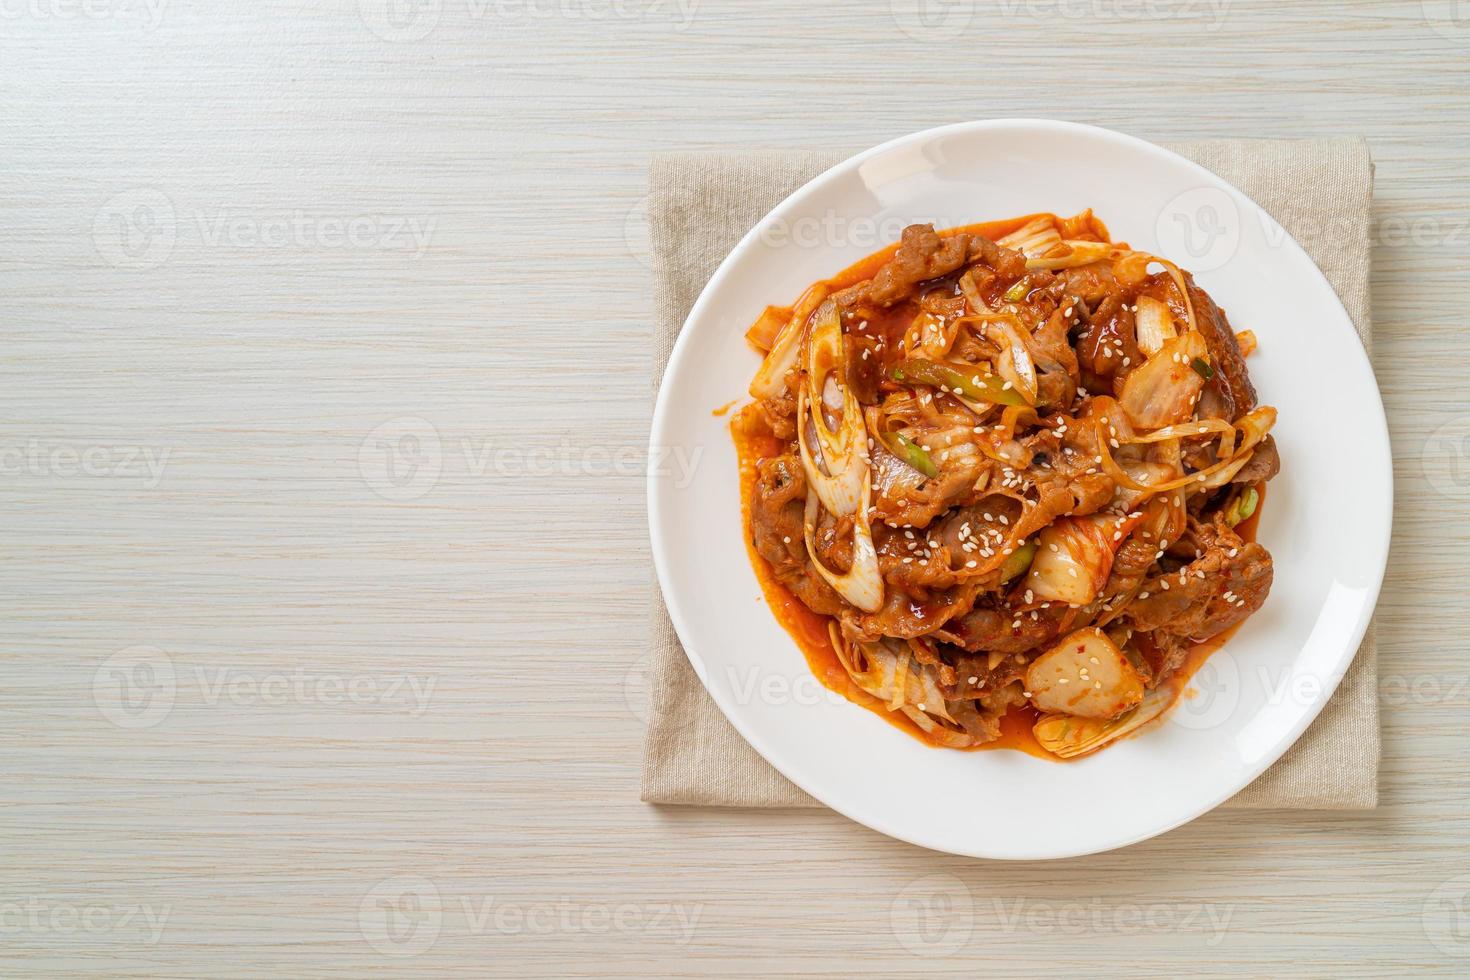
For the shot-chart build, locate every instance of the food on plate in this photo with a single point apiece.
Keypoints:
(1001, 482)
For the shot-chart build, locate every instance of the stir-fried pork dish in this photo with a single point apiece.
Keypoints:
(1011, 475)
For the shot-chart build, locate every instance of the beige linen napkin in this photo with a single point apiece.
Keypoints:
(698, 208)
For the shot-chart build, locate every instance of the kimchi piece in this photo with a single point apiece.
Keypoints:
(1004, 476)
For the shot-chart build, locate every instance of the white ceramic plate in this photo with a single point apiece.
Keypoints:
(1326, 519)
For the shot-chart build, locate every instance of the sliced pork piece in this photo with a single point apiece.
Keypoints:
(924, 254)
(776, 525)
(904, 497)
(1265, 463)
(1230, 387)
(1223, 586)
(995, 628)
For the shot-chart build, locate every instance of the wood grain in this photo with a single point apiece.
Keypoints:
(272, 250)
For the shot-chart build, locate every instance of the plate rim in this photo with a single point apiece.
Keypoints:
(656, 483)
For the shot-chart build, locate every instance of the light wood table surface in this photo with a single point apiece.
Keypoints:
(322, 394)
